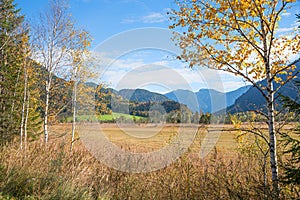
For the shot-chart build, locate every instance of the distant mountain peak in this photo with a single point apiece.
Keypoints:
(253, 99)
(206, 100)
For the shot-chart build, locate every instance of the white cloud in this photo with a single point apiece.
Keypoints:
(154, 17)
(284, 30)
(163, 75)
(286, 14)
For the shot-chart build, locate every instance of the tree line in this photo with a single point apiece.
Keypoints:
(36, 59)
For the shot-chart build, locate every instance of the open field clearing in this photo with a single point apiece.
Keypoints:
(105, 117)
(152, 137)
(53, 172)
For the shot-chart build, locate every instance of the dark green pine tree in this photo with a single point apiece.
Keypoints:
(12, 58)
(292, 144)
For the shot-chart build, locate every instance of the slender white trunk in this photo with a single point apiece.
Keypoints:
(270, 109)
(74, 114)
(74, 99)
(46, 133)
(272, 136)
(23, 108)
(26, 121)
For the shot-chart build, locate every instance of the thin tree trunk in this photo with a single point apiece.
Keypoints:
(74, 106)
(26, 121)
(270, 108)
(74, 114)
(46, 133)
(23, 108)
(272, 135)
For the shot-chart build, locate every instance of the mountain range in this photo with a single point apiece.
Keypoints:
(243, 99)
(205, 100)
(253, 98)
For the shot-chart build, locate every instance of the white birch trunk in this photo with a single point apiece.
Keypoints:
(23, 109)
(272, 136)
(74, 107)
(74, 115)
(26, 121)
(46, 132)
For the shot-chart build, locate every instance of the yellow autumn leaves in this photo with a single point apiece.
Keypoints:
(236, 35)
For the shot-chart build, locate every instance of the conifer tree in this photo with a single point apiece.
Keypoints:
(11, 69)
(292, 143)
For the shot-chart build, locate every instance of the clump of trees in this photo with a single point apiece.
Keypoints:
(40, 67)
(58, 45)
(18, 76)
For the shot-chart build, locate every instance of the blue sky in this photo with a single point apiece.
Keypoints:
(104, 18)
(109, 21)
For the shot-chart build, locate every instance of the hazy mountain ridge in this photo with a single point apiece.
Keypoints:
(206, 100)
(142, 95)
(253, 99)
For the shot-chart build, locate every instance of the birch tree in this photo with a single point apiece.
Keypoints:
(54, 36)
(23, 126)
(241, 37)
(80, 71)
(30, 127)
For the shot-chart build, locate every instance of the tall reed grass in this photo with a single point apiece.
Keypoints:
(52, 172)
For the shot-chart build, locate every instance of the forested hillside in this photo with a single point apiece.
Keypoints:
(254, 100)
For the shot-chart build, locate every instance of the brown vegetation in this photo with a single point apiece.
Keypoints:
(52, 172)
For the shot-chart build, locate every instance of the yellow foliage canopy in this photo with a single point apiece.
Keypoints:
(238, 36)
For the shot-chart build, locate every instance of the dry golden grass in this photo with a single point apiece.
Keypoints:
(53, 172)
(151, 137)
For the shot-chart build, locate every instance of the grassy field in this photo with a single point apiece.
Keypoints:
(152, 137)
(114, 116)
(104, 118)
(52, 171)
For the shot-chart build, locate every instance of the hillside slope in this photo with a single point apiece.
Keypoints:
(253, 99)
(141, 95)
